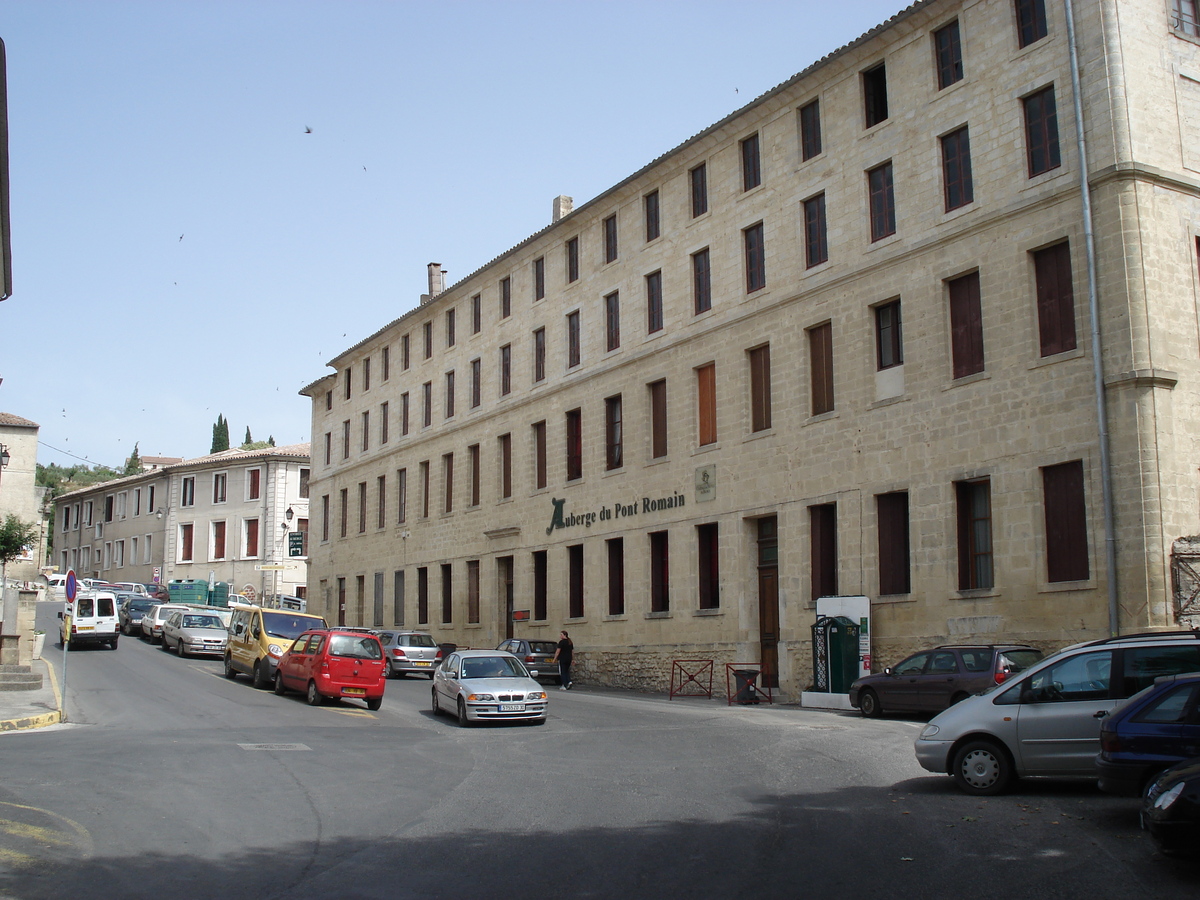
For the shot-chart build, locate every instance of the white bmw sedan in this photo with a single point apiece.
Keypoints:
(487, 686)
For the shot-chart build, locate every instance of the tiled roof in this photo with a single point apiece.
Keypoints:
(16, 421)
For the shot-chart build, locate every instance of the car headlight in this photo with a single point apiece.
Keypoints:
(275, 650)
(536, 695)
(477, 698)
(929, 732)
(1166, 799)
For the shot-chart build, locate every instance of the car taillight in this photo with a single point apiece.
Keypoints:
(1000, 677)
(438, 655)
(529, 658)
(1109, 742)
(396, 651)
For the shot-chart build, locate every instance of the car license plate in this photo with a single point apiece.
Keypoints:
(420, 662)
(512, 707)
(86, 628)
(355, 691)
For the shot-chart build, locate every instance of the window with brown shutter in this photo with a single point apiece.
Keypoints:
(882, 201)
(427, 404)
(698, 181)
(810, 130)
(424, 467)
(573, 260)
(975, 556)
(401, 496)
(473, 459)
(218, 538)
(610, 238)
(450, 327)
(706, 404)
(344, 523)
(820, 358)
(756, 258)
(1031, 21)
(760, 387)
(476, 382)
(966, 325)
(947, 52)
(575, 581)
(616, 576)
(650, 204)
(889, 338)
(505, 297)
(612, 320)
(1055, 299)
(448, 411)
(573, 339)
(539, 455)
(660, 573)
(574, 430)
(956, 169)
(448, 481)
(447, 594)
(422, 595)
(540, 586)
(658, 419)
(539, 278)
(253, 492)
(381, 501)
(252, 537)
(185, 543)
(476, 315)
(701, 282)
(613, 457)
(505, 441)
(473, 591)
(654, 302)
(324, 517)
(1041, 132)
(751, 163)
(823, 549)
(708, 563)
(816, 246)
(892, 512)
(1066, 522)
(875, 99)
(505, 370)
(362, 507)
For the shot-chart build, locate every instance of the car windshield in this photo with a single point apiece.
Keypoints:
(202, 622)
(355, 647)
(139, 605)
(418, 640)
(286, 625)
(492, 667)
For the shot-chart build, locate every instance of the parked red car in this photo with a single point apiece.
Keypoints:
(333, 664)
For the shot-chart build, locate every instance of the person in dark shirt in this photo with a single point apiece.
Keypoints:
(562, 655)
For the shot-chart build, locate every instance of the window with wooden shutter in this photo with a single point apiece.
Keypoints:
(613, 435)
(575, 581)
(473, 459)
(574, 430)
(706, 404)
(810, 130)
(539, 455)
(612, 320)
(473, 591)
(505, 442)
(756, 258)
(448, 482)
(820, 357)
(698, 182)
(660, 573)
(823, 549)
(1055, 299)
(252, 537)
(975, 556)
(616, 576)
(701, 281)
(540, 586)
(658, 419)
(1066, 522)
(218, 540)
(966, 325)
(892, 512)
(760, 388)
(708, 564)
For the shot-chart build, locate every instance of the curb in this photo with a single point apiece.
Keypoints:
(41, 720)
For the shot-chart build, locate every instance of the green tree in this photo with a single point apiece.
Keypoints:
(270, 440)
(15, 536)
(133, 465)
(220, 437)
(249, 440)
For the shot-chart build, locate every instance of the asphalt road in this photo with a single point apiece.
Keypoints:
(170, 781)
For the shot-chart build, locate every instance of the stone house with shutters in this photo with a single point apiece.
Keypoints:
(918, 324)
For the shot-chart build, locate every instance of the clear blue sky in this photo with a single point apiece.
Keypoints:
(182, 248)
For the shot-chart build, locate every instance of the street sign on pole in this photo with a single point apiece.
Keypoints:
(295, 543)
(271, 568)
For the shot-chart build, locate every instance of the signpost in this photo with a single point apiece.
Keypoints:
(295, 543)
(72, 589)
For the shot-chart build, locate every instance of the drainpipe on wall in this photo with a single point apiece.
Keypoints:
(1110, 541)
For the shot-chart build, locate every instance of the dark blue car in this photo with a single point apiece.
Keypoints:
(1151, 731)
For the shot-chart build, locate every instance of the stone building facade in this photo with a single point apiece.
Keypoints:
(221, 517)
(20, 494)
(882, 331)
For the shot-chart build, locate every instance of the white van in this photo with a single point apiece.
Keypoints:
(91, 619)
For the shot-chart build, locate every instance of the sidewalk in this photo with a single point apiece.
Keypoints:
(21, 710)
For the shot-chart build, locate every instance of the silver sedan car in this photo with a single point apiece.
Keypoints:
(191, 632)
(487, 686)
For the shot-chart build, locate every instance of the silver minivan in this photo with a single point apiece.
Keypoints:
(1047, 721)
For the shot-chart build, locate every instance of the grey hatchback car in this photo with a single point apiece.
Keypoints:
(936, 679)
(408, 651)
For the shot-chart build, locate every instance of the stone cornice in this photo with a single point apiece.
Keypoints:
(1144, 378)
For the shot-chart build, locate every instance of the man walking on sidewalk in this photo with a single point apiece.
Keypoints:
(562, 655)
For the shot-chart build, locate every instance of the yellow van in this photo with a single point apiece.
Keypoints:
(258, 637)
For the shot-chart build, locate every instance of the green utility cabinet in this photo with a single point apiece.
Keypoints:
(193, 590)
(835, 654)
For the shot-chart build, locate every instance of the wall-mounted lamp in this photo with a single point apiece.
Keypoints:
(158, 514)
(289, 514)
(5, 456)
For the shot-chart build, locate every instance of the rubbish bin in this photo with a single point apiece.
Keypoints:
(744, 681)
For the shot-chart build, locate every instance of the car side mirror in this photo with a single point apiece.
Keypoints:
(257, 632)
(533, 673)
(887, 671)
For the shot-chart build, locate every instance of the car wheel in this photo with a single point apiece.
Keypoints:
(230, 671)
(437, 707)
(179, 649)
(163, 645)
(374, 703)
(314, 698)
(430, 675)
(868, 704)
(462, 713)
(982, 768)
(387, 668)
(260, 675)
(113, 644)
(280, 690)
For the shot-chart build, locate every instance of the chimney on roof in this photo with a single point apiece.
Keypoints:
(562, 206)
(437, 282)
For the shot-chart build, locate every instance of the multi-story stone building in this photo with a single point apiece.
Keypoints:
(20, 494)
(222, 517)
(918, 324)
